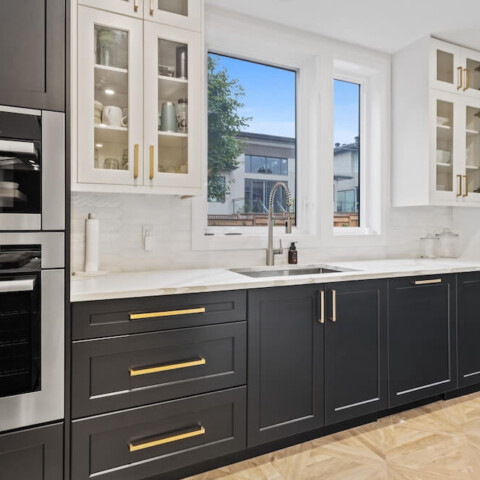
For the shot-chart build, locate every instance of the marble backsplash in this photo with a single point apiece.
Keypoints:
(122, 218)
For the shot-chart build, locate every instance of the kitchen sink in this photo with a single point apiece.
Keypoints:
(286, 272)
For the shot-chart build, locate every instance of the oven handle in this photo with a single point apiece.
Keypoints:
(11, 146)
(24, 285)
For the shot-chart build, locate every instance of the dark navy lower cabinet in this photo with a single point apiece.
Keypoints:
(422, 338)
(148, 441)
(355, 349)
(285, 362)
(32, 454)
(468, 308)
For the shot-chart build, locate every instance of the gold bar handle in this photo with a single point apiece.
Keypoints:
(467, 79)
(334, 306)
(170, 313)
(135, 163)
(427, 282)
(466, 186)
(188, 433)
(459, 178)
(459, 78)
(152, 8)
(322, 307)
(135, 5)
(152, 161)
(135, 372)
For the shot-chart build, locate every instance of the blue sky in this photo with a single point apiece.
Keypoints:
(270, 100)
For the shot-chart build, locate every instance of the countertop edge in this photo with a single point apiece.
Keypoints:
(269, 282)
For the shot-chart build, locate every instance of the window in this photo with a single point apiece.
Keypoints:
(346, 154)
(268, 165)
(251, 141)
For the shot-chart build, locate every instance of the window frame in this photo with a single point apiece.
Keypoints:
(317, 61)
(363, 228)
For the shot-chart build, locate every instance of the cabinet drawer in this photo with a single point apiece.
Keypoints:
(33, 454)
(116, 373)
(147, 441)
(119, 317)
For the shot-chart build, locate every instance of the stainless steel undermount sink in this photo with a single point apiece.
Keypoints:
(287, 271)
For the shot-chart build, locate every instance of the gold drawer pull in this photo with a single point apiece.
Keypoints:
(322, 307)
(134, 372)
(135, 162)
(138, 445)
(427, 282)
(171, 313)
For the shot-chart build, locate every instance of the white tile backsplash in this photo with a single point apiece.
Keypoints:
(123, 215)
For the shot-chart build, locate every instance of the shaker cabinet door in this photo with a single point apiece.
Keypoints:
(355, 349)
(32, 54)
(285, 362)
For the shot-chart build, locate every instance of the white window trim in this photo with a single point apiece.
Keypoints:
(315, 60)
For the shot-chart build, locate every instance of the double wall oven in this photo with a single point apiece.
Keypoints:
(32, 267)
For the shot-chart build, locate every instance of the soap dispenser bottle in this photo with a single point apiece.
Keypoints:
(292, 254)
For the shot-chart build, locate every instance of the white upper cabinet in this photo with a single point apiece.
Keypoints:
(139, 95)
(110, 114)
(132, 8)
(178, 13)
(436, 125)
(454, 69)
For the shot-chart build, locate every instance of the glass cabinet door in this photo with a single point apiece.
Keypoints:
(445, 146)
(173, 83)
(132, 8)
(471, 72)
(472, 152)
(109, 98)
(178, 13)
(447, 71)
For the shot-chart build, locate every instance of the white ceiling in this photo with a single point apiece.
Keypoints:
(384, 25)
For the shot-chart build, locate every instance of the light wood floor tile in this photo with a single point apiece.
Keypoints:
(440, 441)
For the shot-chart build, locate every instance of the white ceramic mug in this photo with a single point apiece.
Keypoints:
(113, 116)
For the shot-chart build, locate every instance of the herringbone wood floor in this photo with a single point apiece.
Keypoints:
(436, 442)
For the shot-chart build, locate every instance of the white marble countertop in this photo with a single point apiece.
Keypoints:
(171, 282)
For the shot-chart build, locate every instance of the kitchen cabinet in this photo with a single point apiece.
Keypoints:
(355, 349)
(421, 338)
(140, 86)
(178, 13)
(436, 125)
(143, 443)
(285, 362)
(468, 308)
(33, 454)
(455, 69)
(32, 54)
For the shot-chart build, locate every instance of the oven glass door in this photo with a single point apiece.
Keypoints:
(20, 320)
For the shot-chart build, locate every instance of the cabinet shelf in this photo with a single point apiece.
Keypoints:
(471, 132)
(172, 88)
(106, 68)
(472, 167)
(444, 165)
(109, 134)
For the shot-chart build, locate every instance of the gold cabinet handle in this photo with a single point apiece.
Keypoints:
(135, 163)
(152, 161)
(466, 186)
(171, 313)
(322, 307)
(152, 8)
(467, 79)
(459, 178)
(459, 78)
(135, 372)
(334, 306)
(155, 442)
(427, 282)
(135, 5)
